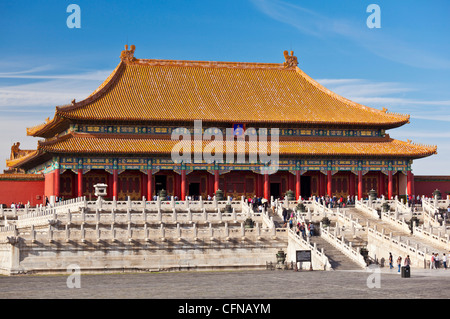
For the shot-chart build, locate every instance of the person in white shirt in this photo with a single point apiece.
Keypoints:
(444, 261)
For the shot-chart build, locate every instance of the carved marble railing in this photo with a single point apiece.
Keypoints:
(345, 247)
(94, 232)
(365, 207)
(431, 211)
(442, 238)
(419, 255)
(174, 216)
(317, 254)
(164, 205)
(8, 234)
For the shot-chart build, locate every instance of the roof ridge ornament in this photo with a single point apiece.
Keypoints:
(128, 55)
(290, 60)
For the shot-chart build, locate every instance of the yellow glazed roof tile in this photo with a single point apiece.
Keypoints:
(168, 90)
(87, 143)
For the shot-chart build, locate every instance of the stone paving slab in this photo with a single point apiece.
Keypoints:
(378, 283)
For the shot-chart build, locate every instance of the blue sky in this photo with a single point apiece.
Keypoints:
(403, 66)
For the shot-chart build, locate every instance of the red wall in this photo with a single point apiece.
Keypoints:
(49, 185)
(426, 185)
(15, 191)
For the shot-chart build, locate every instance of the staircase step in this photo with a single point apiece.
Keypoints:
(337, 259)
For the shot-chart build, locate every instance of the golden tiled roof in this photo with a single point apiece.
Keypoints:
(96, 144)
(16, 161)
(22, 176)
(170, 90)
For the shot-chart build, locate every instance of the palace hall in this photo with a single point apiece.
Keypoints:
(122, 135)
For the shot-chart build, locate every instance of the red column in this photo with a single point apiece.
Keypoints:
(56, 177)
(382, 182)
(149, 184)
(183, 184)
(390, 185)
(329, 177)
(266, 186)
(291, 182)
(80, 182)
(351, 185)
(260, 185)
(410, 183)
(297, 185)
(360, 188)
(115, 183)
(319, 186)
(216, 181)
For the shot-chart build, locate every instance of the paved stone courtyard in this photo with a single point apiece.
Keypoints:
(263, 284)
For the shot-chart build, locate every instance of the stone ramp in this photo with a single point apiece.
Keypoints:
(422, 244)
(337, 259)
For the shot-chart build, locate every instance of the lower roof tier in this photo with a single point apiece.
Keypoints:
(82, 143)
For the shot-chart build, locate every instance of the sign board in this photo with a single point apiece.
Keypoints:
(303, 255)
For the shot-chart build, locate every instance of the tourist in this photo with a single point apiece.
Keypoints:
(433, 262)
(391, 261)
(444, 261)
(303, 230)
(285, 214)
(311, 229)
(407, 261)
(436, 260)
(399, 262)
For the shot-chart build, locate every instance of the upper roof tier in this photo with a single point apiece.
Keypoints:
(228, 92)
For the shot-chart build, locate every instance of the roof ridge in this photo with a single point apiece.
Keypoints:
(207, 64)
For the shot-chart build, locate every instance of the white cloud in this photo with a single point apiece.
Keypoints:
(49, 91)
(380, 43)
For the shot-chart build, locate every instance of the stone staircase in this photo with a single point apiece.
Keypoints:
(337, 259)
(388, 228)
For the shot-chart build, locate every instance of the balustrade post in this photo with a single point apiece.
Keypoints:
(83, 215)
(146, 232)
(128, 216)
(97, 231)
(174, 214)
(219, 214)
(113, 233)
(33, 234)
(50, 234)
(195, 231)
(128, 202)
(82, 233)
(163, 232)
(178, 231)
(144, 203)
(67, 233)
(144, 216)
